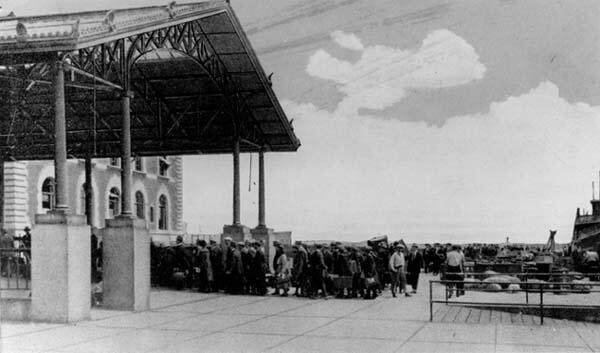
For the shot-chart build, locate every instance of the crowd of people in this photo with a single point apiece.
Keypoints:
(316, 270)
(10, 260)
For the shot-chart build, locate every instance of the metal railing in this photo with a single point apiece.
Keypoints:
(526, 287)
(15, 269)
(549, 277)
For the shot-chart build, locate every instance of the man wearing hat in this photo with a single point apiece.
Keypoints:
(216, 260)
(260, 269)
(235, 271)
(26, 238)
(455, 262)
(282, 273)
(370, 271)
(413, 267)
(205, 275)
(226, 258)
(278, 253)
(396, 267)
(300, 271)
(318, 271)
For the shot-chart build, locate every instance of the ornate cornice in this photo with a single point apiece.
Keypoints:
(78, 27)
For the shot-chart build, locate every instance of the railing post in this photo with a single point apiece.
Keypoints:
(18, 270)
(430, 301)
(446, 290)
(9, 270)
(541, 304)
(526, 290)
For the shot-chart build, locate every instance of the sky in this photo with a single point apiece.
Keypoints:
(428, 120)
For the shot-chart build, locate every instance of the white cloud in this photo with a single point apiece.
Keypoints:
(347, 40)
(383, 75)
(517, 170)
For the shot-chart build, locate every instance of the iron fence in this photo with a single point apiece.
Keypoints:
(15, 269)
(535, 288)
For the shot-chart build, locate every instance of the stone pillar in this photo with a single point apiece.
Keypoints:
(236, 182)
(261, 189)
(60, 244)
(60, 270)
(60, 139)
(126, 242)
(126, 156)
(89, 191)
(126, 252)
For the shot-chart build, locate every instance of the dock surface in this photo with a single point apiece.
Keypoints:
(184, 321)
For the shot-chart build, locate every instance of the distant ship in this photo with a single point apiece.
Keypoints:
(586, 231)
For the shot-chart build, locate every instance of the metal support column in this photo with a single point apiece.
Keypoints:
(126, 155)
(261, 189)
(60, 138)
(89, 191)
(236, 181)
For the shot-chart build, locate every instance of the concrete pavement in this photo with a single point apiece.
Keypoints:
(182, 321)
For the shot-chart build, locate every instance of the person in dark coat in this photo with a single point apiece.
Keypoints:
(6, 242)
(216, 257)
(26, 238)
(278, 252)
(414, 262)
(342, 269)
(205, 276)
(317, 272)
(300, 270)
(259, 269)
(184, 262)
(369, 269)
(329, 260)
(356, 262)
(246, 261)
(427, 258)
(227, 246)
(235, 271)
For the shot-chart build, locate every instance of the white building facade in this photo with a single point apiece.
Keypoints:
(157, 195)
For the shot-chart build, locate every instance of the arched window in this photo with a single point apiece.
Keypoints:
(139, 164)
(114, 202)
(139, 205)
(162, 212)
(163, 166)
(48, 194)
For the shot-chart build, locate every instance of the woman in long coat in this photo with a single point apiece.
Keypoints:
(205, 277)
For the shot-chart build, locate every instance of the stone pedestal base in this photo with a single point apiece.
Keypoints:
(236, 232)
(126, 264)
(60, 268)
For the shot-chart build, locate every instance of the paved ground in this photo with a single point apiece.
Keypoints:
(193, 322)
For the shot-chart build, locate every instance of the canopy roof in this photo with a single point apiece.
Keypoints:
(195, 79)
